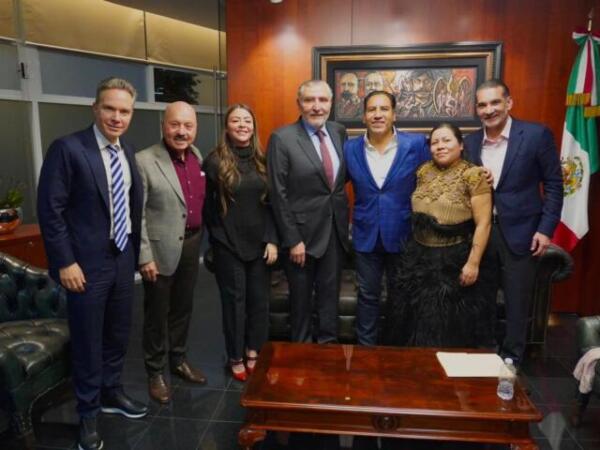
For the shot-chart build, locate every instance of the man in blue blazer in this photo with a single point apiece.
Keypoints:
(89, 209)
(382, 167)
(521, 156)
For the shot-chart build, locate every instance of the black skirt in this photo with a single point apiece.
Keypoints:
(427, 306)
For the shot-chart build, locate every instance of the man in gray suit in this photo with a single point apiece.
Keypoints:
(174, 187)
(307, 176)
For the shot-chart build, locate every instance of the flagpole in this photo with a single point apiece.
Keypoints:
(579, 149)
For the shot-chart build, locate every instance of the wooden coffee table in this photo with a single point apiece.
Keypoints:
(377, 391)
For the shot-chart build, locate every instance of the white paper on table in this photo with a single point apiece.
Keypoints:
(458, 364)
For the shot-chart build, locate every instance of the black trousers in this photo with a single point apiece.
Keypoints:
(168, 306)
(245, 291)
(516, 276)
(99, 322)
(323, 276)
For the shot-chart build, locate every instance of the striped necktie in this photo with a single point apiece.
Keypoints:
(118, 199)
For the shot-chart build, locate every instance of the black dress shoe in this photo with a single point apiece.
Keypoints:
(118, 402)
(88, 436)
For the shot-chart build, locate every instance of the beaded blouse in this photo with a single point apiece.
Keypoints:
(445, 195)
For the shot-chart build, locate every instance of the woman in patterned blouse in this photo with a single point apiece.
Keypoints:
(438, 295)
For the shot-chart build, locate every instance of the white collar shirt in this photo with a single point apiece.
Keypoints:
(381, 163)
(493, 152)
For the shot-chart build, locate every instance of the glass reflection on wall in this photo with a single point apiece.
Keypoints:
(9, 68)
(176, 85)
(59, 78)
(16, 168)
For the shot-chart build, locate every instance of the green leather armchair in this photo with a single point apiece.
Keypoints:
(587, 336)
(34, 339)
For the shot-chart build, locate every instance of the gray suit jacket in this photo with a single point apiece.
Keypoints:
(164, 209)
(304, 207)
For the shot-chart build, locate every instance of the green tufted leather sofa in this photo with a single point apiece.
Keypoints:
(34, 339)
(555, 265)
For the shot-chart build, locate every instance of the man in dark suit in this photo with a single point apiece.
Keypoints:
(89, 208)
(307, 175)
(382, 166)
(521, 156)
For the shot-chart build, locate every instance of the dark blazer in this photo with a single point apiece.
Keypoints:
(384, 211)
(73, 203)
(304, 206)
(531, 159)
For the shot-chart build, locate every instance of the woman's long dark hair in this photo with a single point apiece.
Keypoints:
(229, 175)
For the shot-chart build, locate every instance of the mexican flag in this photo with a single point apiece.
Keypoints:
(579, 148)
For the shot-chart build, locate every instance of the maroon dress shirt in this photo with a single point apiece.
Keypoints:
(193, 186)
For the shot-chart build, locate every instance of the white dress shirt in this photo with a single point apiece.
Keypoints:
(381, 163)
(105, 153)
(493, 152)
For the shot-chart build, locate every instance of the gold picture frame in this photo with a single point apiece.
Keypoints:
(431, 83)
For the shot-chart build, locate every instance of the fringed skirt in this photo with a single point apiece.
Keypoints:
(427, 306)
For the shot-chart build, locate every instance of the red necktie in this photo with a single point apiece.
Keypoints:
(326, 158)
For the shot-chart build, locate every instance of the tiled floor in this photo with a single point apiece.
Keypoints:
(209, 417)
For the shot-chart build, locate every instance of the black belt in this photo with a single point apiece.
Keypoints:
(189, 232)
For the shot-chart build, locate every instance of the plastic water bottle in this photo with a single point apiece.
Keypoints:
(506, 380)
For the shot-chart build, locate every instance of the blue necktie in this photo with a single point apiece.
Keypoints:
(118, 199)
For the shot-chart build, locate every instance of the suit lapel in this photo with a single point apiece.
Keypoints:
(196, 152)
(476, 153)
(165, 165)
(361, 158)
(338, 147)
(308, 148)
(514, 146)
(401, 155)
(337, 142)
(94, 157)
(130, 156)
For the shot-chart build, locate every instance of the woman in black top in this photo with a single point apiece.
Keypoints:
(242, 234)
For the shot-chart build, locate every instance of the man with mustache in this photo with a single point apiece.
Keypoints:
(174, 189)
(373, 82)
(415, 98)
(382, 167)
(348, 105)
(521, 156)
(307, 175)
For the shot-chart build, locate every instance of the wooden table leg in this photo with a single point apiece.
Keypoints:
(249, 436)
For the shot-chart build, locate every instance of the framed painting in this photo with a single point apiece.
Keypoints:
(431, 83)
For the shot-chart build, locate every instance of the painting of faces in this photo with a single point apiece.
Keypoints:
(423, 93)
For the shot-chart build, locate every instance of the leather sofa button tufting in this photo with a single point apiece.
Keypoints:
(34, 338)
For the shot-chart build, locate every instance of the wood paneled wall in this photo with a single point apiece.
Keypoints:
(269, 55)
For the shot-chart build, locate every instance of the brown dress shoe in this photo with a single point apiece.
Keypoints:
(159, 389)
(188, 373)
